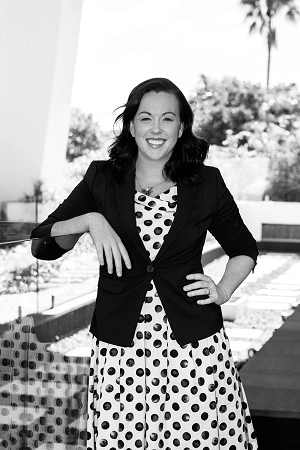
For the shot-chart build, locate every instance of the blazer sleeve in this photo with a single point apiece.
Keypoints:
(80, 201)
(228, 227)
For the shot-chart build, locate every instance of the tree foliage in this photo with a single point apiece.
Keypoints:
(227, 104)
(84, 135)
(262, 13)
(244, 119)
(284, 180)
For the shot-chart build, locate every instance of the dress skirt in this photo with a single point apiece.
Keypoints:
(159, 394)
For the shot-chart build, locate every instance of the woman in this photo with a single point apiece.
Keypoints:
(162, 374)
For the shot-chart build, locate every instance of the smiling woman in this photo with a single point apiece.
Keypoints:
(162, 373)
(156, 126)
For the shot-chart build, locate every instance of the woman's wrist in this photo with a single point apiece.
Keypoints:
(90, 218)
(224, 296)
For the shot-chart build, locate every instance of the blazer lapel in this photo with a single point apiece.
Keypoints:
(125, 191)
(185, 199)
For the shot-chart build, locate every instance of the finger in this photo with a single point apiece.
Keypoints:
(100, 255)
(99, 250)
(124, 255)
(197, 276)
(205, 302)
(203, 291)
(196, 285)
(108, 257)
(117, 259)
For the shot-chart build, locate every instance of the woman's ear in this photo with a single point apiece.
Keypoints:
(180, 129)
(131, 127)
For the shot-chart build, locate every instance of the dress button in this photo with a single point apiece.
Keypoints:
(150, 268)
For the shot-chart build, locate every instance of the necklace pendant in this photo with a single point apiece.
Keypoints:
(148, 190)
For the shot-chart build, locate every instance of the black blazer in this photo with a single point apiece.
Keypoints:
(207, 205)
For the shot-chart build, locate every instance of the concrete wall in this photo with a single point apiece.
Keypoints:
(257, 213)
(38, 43)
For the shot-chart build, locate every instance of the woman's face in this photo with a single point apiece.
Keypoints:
(156, 126)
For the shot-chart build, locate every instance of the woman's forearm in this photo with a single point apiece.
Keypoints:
(237, 269)
(67, 232)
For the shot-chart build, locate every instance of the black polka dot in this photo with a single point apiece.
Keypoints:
(186, 436)
(205, 435)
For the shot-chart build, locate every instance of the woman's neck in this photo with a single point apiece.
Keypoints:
(149, 171)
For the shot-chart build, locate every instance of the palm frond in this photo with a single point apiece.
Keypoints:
(293, 13)
(251, 3)
(249, 15)
(253, 27)
(262, 27)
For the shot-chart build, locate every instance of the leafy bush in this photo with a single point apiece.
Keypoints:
(84, 135)
(24, 279)
(225, 105)
(285, 180)
(257, 138)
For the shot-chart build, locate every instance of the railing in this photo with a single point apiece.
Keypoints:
(43, 392)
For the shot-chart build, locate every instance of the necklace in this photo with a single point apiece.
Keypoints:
(148, 190)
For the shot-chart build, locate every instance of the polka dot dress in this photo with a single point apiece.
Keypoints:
(157, 393)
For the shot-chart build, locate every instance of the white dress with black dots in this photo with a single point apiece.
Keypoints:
(157, 393)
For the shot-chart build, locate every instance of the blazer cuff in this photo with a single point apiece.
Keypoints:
(47, 248)
(252, 252)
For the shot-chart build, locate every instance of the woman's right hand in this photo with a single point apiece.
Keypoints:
(108, 244)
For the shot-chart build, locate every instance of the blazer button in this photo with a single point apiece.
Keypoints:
(150, 268)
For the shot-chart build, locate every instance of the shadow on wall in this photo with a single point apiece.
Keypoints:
(43, 395)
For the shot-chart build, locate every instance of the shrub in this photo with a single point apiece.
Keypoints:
(225, 105)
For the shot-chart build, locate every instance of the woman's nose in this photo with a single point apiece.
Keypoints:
(156, 128)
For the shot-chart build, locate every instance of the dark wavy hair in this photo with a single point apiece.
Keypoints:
(190, 150)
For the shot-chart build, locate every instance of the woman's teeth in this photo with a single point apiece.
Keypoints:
(152, 141)
(156, 142)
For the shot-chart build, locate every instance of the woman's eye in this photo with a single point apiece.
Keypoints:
(143, 119)
(168, 119)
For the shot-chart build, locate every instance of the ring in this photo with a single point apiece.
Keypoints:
(209, 291)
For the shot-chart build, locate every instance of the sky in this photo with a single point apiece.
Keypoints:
(124, 42)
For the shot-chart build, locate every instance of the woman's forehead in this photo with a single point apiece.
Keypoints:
(158, 102)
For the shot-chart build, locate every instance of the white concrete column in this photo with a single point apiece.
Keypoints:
(38, 43)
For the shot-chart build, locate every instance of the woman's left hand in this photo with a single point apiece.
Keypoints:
(204, 285)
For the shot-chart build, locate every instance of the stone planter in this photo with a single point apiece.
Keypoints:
(235, 307)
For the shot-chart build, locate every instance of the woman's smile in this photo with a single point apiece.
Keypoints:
(156, 126)
(156, 143)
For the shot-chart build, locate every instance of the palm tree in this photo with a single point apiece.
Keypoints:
(261, 14)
